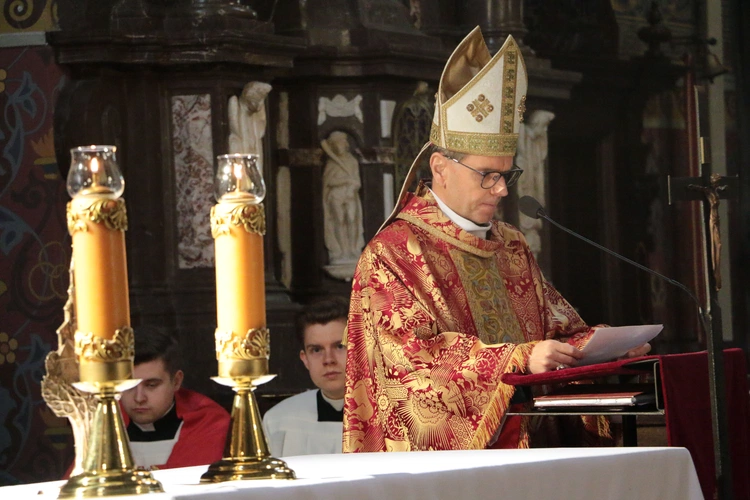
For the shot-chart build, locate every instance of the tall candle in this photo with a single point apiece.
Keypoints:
(100, 273)
(97, 221)
(240, 280)
(238, 226)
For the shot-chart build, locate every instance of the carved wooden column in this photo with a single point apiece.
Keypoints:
(364, 58)
(497, 18)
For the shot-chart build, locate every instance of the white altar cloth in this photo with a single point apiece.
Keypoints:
(559, 473)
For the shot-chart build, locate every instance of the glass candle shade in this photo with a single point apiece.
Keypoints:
(238, 178)
(94, 171)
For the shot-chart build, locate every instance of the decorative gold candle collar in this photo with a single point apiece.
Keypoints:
(89, 347)
(103, 361)
(255, 344)
(111, 213)
(251, 217)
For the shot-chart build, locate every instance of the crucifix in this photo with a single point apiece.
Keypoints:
(712, 192)
(710, 188)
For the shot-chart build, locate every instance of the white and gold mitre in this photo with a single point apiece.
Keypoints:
(480, 103)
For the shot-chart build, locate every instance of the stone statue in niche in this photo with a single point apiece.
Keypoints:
(342, 208)
(247, 120)
(415, 13)
(530, 156)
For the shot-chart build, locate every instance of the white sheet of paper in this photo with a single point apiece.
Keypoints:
(612, 342)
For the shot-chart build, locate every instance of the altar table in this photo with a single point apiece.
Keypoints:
(553, 473)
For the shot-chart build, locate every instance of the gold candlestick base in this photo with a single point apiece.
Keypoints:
(246, 455)
(108, 464)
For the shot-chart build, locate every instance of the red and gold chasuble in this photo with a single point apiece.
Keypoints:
(437, 316)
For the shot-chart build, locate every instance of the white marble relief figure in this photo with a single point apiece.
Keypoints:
(530, 156)
(284, 194)
(247, 120)
(340, 107)
(342, 208)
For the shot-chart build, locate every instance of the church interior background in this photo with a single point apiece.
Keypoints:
(341, 91)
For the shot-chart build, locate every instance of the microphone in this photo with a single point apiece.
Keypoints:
(530, 207)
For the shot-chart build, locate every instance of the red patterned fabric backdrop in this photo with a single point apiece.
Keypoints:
(35, 445)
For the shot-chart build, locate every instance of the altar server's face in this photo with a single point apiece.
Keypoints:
(460, 186)
(325, 357)
(151, 399)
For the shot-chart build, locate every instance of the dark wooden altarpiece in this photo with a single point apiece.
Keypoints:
(128, 60)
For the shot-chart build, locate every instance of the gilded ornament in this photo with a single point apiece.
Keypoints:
(61, 372)
(219, 225)
(251, 217)
(521, 108)
(480, 107)
(93, 348)
(76, 222)
(111, 213)
(254, 345)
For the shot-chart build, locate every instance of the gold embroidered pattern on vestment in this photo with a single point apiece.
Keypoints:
(509, 92)
(490, 305)
(479, 144)
(437, 233)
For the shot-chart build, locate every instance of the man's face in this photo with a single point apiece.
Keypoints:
(460, 188)
(325, 357)
(151, 399)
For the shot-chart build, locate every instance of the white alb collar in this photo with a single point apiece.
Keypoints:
(480, 231)
(338, 404)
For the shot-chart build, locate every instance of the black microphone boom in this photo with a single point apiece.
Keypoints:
(530, 207)
(719, 422)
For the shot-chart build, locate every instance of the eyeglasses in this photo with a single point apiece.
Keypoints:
(489, 179)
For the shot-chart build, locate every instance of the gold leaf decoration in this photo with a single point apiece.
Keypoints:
(251, 217)
(61, 372)
(111, 213)
(93, 348)
(254, 345)
(521, 108)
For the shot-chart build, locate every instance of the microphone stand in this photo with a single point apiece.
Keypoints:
(717, 391)
(711, 323)
(704, 317)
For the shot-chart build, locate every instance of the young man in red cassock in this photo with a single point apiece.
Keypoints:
(169, 426)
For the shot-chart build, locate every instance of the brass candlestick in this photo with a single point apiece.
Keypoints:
(246, 455)
(103, 340)
(106, 369)
(238, 224)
